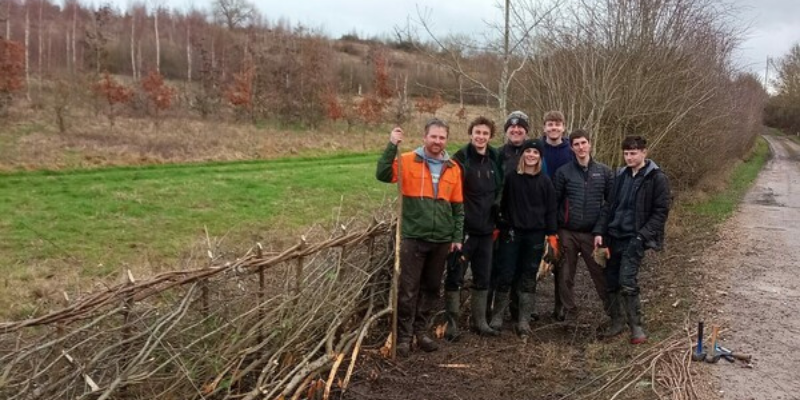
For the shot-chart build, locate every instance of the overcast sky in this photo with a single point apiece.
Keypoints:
(774, 25)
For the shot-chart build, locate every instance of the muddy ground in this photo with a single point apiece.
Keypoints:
(742, 277)
(758, 297)
(558, 359)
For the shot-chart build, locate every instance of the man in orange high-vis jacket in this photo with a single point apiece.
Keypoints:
(432, 226)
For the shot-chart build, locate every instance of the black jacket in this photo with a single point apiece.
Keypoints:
(581, 195)
(651, 205)
(482, 179)
(529, 202)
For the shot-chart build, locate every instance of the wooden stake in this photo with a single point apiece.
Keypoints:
(396, 276)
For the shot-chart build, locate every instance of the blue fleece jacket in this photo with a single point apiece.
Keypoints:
(556, 156)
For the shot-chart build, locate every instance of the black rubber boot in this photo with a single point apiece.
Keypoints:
(526, 306)
(425, 343)
(501, 300)
(453, 313)
(478, 306)
(634, 311)
(615, 310)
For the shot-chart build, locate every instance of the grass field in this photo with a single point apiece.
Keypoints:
(74, 225)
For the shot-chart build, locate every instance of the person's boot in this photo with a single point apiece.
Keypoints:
(425, 343)
(453, 313)
(478, 306)
(615, 310)
(403, 348)
(633, 309)
(501, 300)
(526, 306)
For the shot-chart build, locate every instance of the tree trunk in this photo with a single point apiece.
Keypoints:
(27, 52)
(74, 39)
(69, 39)
(188, 52)
(133, 44)
(158, 43)
(502, 92)
(8, 19)
(41, 40)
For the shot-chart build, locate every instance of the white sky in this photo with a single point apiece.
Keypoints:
(774, 25)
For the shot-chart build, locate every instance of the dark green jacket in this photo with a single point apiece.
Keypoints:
(435, 218)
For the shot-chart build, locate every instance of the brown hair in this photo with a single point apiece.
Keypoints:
(556, 116)
(634, 143)
(482, 121)
(577, 134)
(436, 122)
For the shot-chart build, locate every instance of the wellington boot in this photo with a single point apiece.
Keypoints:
(501, 301)
(426, 344)
(526, 306)
(453, 313)
(615, 310)
(634, 311)
(478, 307)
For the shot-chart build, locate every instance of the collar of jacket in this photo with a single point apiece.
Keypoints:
(649, 167)
(470, 151)
(578, 164)
(447, 161)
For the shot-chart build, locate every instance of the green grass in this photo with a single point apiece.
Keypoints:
(112, 216)
(722, 205)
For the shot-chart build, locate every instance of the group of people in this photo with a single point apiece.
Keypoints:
(495, 210)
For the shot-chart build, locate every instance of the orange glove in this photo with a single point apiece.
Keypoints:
(552, 240)
(495, 234)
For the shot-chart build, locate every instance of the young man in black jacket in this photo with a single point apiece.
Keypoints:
(633, 221)
(583, 186)
(482, 181)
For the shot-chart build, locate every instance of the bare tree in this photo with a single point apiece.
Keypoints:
(8, 19)
(133, 43)
(27, 50)
(234, 13)
(506, 41)
(158, 38)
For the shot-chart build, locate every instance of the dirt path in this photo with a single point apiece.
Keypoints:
(759, 256)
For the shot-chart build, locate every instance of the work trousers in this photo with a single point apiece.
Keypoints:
(574, 243)
(622, 269)
(477, 253)
(422, 265)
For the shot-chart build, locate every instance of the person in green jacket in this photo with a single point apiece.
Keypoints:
(432, 226)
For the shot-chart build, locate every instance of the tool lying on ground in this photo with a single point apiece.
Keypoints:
(716, 351)
(731, 355)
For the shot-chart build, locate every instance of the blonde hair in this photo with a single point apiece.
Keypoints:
(521, 164)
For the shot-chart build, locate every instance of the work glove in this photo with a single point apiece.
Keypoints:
(555, 246)
(601, 254)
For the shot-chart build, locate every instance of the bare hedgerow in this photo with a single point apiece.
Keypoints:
(661, 69)
(262, 325)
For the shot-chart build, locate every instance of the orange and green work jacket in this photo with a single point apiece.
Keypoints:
(435, 218)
